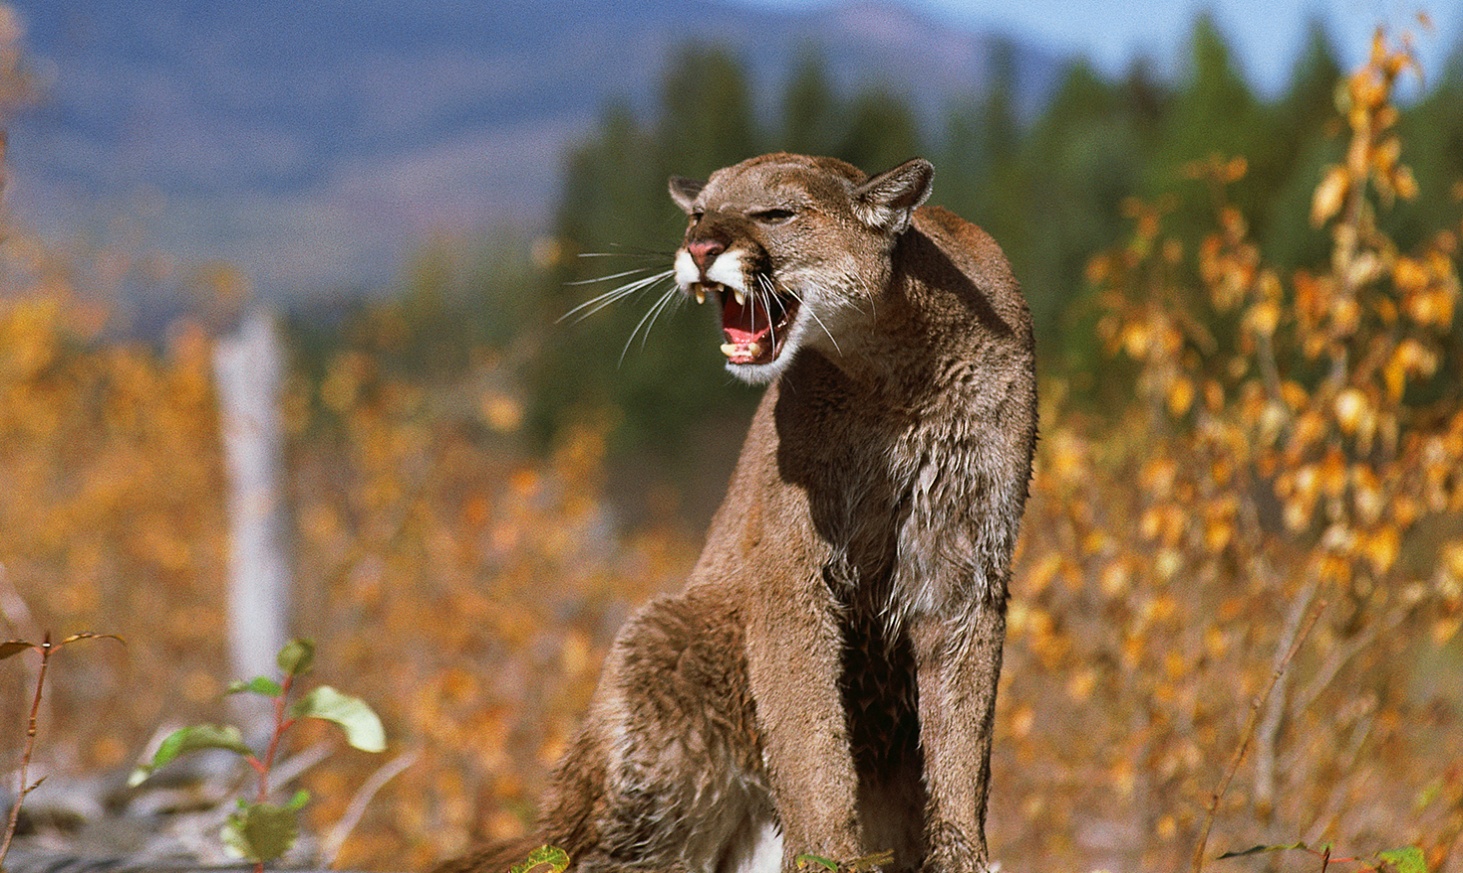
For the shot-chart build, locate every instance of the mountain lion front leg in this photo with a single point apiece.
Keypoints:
(958, 663)
(794, 660)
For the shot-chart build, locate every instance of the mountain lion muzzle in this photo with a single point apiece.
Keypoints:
(826, 681)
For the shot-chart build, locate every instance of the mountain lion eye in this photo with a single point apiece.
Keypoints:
(772, 216)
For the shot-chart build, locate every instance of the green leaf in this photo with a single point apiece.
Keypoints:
(14, 647)
(1255, 850)
(298, 802)
(296, 657)
(807, 858)
(1408, 859)
(1427, 795)
(258, 685)
(261, 831)
(191, 739)
(544, 859)
(362, 728)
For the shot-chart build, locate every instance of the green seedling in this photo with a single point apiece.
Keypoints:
(258, 830)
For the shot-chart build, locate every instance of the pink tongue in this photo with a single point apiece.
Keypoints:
(739, 336)
(740, 323)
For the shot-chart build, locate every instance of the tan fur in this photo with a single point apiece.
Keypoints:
(831, 666)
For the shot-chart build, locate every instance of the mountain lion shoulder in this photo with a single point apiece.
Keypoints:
(826, 681)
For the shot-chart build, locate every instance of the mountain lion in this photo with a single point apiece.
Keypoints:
(826, 681)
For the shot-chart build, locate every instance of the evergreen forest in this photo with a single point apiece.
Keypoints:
(1052, 188)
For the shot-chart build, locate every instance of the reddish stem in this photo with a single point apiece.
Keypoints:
(281, 724)
(45, 648)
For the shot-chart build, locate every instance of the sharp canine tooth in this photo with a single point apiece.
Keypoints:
(741, 297)
(754, 349)
(700, 294)
(728, 349)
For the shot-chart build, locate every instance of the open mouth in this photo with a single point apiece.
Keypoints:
(755, 326)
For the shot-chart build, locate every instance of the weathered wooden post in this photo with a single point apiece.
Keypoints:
(249, 369)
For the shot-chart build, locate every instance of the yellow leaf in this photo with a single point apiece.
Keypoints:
(1294, 394)
(1215, 643)
(1263, 317)
(1168, 564)
(575, 654)
(1405, 183)
(1217, 535)
(1350, 407)
(1426, 309)
(1022, 720)
(1453, 559)
(501, 412)
(1180, 396)
(1297, 514)
(1213, 395)
(1369, 501)
(1174, 665)
(1394, 373)
(1444, 629)
(1135, 339)
(1329, 195)
(1079, 687)
(1381, 549)
(1310, 429)
(1346, 312)
(1114, 579)
(1041, 576)
(1409, 274)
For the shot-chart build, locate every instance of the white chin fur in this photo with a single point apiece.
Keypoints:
(757, 374)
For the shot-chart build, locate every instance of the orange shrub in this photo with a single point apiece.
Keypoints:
(1293, 443)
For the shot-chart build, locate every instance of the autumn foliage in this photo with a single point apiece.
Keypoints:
(1294, 443)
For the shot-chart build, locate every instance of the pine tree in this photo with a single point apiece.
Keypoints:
(706, 119)
(1303, 112)
(882, 131)
(812, 114)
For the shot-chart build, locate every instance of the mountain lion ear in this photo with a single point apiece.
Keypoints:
(684, 192)
(888, 200)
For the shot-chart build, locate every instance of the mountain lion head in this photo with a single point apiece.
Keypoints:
(794, 250)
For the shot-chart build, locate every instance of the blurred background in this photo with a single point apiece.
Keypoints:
(1250, 392)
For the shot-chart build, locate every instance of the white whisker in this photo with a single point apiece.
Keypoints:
(648, 321)
(629, 252)
(802, 304)
(614, 295)
(611, 276)
(766, 293)
(657, 255)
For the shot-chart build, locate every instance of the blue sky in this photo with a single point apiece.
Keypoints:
(1266, 33)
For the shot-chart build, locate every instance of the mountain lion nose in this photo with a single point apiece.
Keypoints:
(704, 251)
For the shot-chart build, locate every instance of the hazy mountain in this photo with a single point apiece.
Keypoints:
(312, 142)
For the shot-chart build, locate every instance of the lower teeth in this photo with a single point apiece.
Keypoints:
(732, 350)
